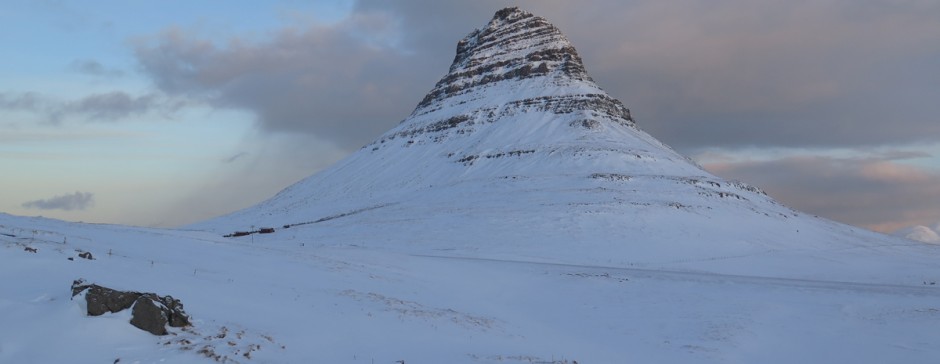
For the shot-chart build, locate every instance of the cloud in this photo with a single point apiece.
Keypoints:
(342, 82)
(28, 101)
(270, 162)
(97, 107)
(739, 73)
(237, 156)
(118, 105)
(94, 68)
(67, 202)
(110, 106)
(434, 27)
(920, 233)
(877, 192)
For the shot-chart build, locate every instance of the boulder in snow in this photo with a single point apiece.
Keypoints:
(149, 311)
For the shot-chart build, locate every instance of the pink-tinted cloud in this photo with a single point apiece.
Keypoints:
(887, 171)
(920, 233)
(878, 193)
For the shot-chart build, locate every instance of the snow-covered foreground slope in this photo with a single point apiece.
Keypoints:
(337, 303)
(517, 216)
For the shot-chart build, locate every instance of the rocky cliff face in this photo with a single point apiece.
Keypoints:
(517, 63)
(514, 45)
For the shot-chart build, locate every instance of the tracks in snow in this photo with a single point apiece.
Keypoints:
(709, 277)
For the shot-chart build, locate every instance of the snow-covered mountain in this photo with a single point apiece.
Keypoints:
(518, 215)
(517, 152)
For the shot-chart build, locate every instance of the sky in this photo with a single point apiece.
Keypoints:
(167, 113)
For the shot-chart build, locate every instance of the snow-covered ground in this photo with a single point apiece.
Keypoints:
(294, 301)
(519, 215)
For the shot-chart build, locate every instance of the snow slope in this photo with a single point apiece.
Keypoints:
(291, 303)
(517, 216)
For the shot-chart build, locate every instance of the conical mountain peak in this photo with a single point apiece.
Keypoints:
(504, 157)
(515, 108)
(516, 100)
(516, 105)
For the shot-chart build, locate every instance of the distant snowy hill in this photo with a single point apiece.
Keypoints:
(921, 233)
(518, 215)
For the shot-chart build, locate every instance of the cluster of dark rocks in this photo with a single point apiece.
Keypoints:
(149, 312)
(264, 230)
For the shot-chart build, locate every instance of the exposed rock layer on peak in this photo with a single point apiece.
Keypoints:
(514, 45)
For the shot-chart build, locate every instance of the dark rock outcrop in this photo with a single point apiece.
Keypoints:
(177, 316)
(148, 316)
(149, 311)
(103, 300)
